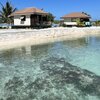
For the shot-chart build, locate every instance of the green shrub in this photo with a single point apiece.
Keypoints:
(79, 23)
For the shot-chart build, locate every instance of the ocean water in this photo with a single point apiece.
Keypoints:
(68, 70)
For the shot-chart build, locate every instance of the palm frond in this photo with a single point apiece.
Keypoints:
(6, 10)
(14, 9)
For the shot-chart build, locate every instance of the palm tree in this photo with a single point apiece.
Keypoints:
(6, 10)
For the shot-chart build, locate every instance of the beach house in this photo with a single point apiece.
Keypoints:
(30, 17)
(73, 19)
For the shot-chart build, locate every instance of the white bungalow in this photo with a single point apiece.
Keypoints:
(30, 17)
(71, 19)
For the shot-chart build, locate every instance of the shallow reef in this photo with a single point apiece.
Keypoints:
(59, 81)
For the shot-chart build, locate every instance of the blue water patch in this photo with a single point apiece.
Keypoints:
(67, 70)
(85, 53)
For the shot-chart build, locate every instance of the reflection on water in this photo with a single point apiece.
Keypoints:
(85, 54)
(78, 43)
(7, 57)
(67, 70)
(40, 51)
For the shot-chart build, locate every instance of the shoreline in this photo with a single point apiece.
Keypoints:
(15, 38)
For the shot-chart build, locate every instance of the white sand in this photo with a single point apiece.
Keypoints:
(13, 38)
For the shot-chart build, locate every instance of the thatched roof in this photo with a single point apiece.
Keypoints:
(76, 15)
(29, 11)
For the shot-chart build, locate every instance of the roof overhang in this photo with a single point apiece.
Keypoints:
(73, 17)
(76, 15)
(19, 14)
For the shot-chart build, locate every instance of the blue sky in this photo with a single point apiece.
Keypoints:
(61, 7)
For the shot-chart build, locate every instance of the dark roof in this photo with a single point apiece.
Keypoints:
(28, 11)
(77, 15)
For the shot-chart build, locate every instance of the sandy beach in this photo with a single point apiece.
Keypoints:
(14, 38)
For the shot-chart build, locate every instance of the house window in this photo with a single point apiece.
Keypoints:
(23, 18)
(73, 19)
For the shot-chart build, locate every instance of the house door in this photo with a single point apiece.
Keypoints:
(34, 20)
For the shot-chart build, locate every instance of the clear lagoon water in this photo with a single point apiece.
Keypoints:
(68, 70)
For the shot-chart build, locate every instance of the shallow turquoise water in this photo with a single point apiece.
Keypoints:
(67, 70)
(85, 53)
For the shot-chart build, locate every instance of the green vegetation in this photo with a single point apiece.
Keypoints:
(56, 21)
(50, 17)
(79, 23)
(96, 23)
(6, 10)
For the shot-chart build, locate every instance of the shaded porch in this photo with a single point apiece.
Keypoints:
(80, 19)
(40, 21)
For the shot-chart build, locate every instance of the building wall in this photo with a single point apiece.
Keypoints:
(67, 20)
(70, 21)
(17, 21)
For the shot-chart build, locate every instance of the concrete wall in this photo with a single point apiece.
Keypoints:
(17, 21)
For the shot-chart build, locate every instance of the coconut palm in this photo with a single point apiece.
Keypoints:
(6, 10)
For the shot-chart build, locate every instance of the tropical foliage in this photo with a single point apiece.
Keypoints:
(5, 11)
(56, 22)
(96, 23)
(79, 23)
(50, 17)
